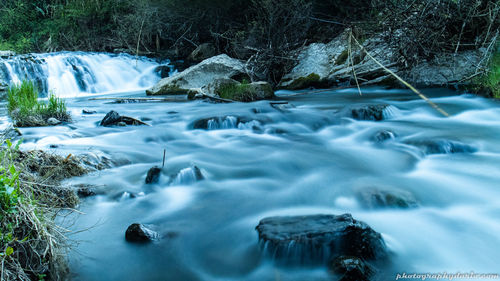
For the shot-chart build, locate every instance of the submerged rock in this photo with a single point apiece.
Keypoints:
(188, 176)
(199, 76)
(368, 112)
(384, 135)
(88, 111)
(442, 146)
(225, 122)
(137, 232)
(153, 175)
(319, 238)
(351, 269)
(387, 198)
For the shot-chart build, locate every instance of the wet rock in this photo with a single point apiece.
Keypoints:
(7, 54)
(203, 52)
(200, 75)
(350, 268)
(163, 70)
(214, 123)
(111, 118)
(442, 146)
(153, 175)
(188, 176)
(137, 232)
(319, 238)
(368, 112)
(88, 111)
(387, 198)
(53, 121)
(384, 135)
(10, 133)
(85, 190)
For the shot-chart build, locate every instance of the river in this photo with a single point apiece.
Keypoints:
(303, 157)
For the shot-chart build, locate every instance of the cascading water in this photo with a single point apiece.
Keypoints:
(70, 74)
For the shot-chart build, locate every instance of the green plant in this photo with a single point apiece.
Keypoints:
(492, 79)
(26, 110)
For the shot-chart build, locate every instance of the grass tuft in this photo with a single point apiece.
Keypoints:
(27, 111)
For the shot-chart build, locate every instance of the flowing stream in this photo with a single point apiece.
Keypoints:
(258, 160)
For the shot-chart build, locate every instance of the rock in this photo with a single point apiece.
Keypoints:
(199, 76)
(215, 123)
(87, 111)
(203, 52)
(163, 70)
(10, 133)
(188, 176)
(351, 269)
(7, 54)
(319, 238)
(375, 112)
(111, 118)
(153, 175)
(231, 89)
(137, 232)
(53, 121)
(333, 66)
(374, 198)
(84, 190)
(384, 135)
(442, 146)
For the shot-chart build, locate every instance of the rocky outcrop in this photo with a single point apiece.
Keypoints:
(322, 65)
(319, 238)
(199, 76)
(203, 52)
(137, 232)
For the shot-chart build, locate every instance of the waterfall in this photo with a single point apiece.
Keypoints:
(71, 74)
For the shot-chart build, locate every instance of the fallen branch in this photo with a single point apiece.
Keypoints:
(422, 96)
(169, 99)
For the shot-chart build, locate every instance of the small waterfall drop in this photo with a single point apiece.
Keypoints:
(71, 74)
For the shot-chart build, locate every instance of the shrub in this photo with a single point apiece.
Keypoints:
(26, 110)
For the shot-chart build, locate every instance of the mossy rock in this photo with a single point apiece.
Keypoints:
(246, 92)
(170, 89)
(310, 80)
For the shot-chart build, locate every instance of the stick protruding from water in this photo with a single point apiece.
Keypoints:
(164, 153)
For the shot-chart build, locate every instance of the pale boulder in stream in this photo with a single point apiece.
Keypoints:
(200, 75)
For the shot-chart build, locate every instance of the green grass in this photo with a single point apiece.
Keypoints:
(492, 79)
(26, 110)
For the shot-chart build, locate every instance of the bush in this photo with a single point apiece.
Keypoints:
(27, 111)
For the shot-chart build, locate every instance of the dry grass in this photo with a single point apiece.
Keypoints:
(32, 246)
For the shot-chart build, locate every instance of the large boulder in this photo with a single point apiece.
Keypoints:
(203, 52)
(199, 76)
(317, 239)
(326, 64)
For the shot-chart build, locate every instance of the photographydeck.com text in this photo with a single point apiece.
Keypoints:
(447, 276)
